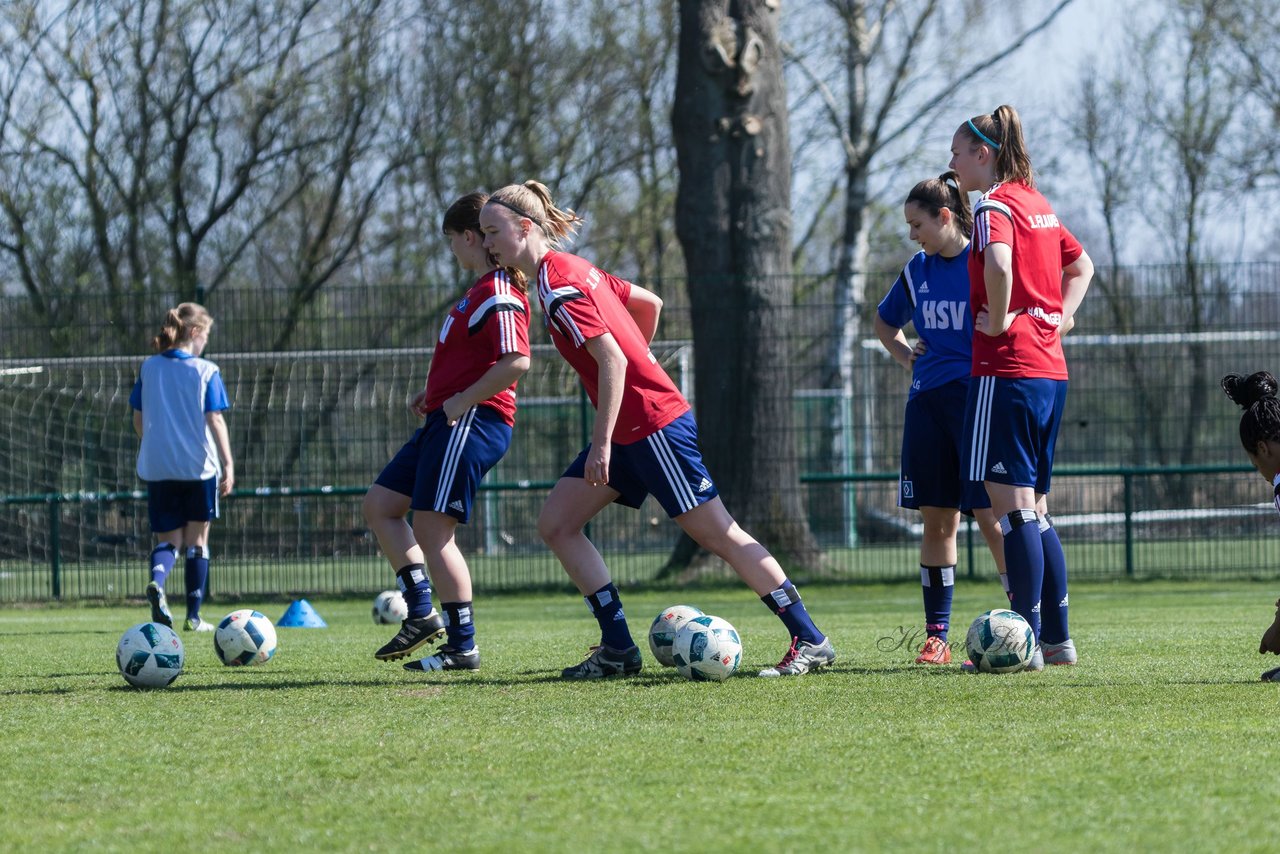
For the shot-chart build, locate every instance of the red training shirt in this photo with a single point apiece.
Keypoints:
(580, 302)
(1017, 215)
(491, 321)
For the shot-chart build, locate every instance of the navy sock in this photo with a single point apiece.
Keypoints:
(197, 576)
(1024, 556)
(162, 559)
(1053, 612)
(606, 607)
(458, 625)
(938, 582)
(785, 602)
(416, 589)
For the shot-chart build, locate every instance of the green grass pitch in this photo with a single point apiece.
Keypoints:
(1161, 739)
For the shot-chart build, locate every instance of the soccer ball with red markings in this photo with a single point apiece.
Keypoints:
(149, 655)
(390, 608)
(1000, 641)
(662, 633)
(707, 649)
(245, 637)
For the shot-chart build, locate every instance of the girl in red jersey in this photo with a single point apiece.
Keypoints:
(469, 405)
(1027, 277)
(1260, 435)
(644, 438)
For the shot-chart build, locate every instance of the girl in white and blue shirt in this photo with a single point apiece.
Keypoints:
(185, 454)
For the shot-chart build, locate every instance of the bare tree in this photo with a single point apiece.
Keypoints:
(733, 219)
(891, 65)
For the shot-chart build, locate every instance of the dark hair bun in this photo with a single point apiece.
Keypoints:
(1246, 391)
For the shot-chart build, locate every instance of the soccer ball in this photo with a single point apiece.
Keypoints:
(244, 637)
(706, 649)
(1000, 641)
(662, 633)
(149, 655)
(390, 608)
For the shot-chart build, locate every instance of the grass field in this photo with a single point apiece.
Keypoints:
(1161, 739)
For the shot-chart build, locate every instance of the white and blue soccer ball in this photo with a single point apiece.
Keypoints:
(1000, 641)
(707, 649)
(149, 655)
(389, 608)
(662, 632)
(245, 637)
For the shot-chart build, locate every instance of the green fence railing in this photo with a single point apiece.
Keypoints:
(1110, 525)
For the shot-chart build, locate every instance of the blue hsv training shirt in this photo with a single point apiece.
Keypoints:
(173, 392)
(932, 293)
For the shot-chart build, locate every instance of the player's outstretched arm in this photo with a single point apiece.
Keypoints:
(895, 341)
(1075, 282)
(218, 426)
(644, 306)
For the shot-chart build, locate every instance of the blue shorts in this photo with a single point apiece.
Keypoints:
(932, 435)
(1011, 428)
(171, 504)
(441, 467)
(666, 465)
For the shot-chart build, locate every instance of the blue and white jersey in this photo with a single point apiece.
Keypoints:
(174, 391)
(932, 293)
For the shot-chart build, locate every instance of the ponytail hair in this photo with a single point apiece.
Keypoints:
(1256, 394)
(464, 215)
(532, 201)
(180, 325)
(935, 194)
(1001, 131)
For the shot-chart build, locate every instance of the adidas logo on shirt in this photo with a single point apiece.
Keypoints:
(457, 505)
(924, 288)
(704, 486)
(999, 468)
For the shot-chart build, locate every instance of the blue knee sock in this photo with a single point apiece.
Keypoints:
(416, 589)
(458, 625)
(1024, 556)
(197, 576)
(162, 559)
(938, 582)
(1053, 612)
(785, 602)
(606, 607)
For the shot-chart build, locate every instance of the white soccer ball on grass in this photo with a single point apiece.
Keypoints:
(1000, 641)
(149, 655)
(707, 649)
(662, 632)
(245, 637)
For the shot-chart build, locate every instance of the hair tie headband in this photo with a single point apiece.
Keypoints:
(533, 219)
(982, 136)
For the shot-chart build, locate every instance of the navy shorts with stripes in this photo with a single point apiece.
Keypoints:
(932, 436)
(1011, 428)
(441, 467)
(666, 465)
(171, 504)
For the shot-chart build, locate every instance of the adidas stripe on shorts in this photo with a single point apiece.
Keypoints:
(1011, 428)
(441, 467)
(666, 465)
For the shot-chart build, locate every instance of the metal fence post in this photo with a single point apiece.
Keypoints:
(55, 545)
(1128, 524)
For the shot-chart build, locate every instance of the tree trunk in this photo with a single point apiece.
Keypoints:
(733, 221)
